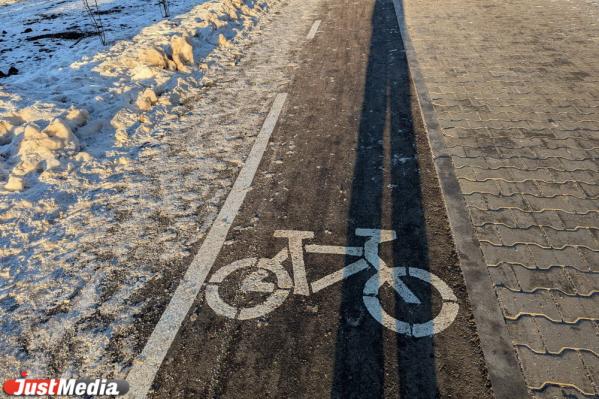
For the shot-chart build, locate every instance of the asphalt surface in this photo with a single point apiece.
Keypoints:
(349, 152)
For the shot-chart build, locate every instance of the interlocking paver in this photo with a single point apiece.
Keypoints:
(552, 303)
(555, 219)
(567, 368)
(556, 392)
(591, 362)
(592, 190)
(569, 256)
(568, 204)
(572, 221)
(525, 330)
(591, 258)
(557, 336)
(574, 308)
(505, 216)
(584, 283)
(581, 236)
(569, 280)
(516, 88)
(517, 303)
(503, 275)
(530, 280)
(513, 236)
(493, 202)
(544, 336)
(487, 187)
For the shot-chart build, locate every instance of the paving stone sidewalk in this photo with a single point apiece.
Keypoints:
(515, 86)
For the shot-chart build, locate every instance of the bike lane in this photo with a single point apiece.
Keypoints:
(348, 157)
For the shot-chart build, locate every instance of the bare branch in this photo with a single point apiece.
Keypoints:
(94, 14)
(164, 7)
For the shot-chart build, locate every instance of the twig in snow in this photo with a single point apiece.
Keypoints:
(164, 7)
(94, 14)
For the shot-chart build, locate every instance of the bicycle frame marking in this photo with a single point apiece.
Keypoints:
(368, 257)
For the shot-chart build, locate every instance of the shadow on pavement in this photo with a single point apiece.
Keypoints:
(386, 194)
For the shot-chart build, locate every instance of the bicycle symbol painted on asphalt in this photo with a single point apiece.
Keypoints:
(368, 258)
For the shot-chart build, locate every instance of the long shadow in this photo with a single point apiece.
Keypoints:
(386, 194)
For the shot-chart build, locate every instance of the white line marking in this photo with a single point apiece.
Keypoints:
(146, 366)
(339, 275)
(334, 250)
(313, 30)
(297, 258)
(449, 309)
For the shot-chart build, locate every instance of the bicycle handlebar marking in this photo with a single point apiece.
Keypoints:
(369, 257)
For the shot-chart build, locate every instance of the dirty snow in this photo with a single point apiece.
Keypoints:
(106, 181)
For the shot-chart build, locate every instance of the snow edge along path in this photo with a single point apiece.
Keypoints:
(144, 368)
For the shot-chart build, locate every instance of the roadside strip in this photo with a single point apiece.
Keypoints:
(146, 366)
(313, 30)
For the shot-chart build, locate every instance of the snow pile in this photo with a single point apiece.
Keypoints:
(39, 150)
(111, 88)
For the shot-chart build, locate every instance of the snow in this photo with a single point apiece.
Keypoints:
(105, 186)
(104, 83)
(109, 87)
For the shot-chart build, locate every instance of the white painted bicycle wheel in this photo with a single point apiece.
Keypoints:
(449, 309)
(279, 293)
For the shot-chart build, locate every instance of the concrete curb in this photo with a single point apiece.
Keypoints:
(504, 370)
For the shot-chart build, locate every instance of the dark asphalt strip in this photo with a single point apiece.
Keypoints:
(349, 153)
